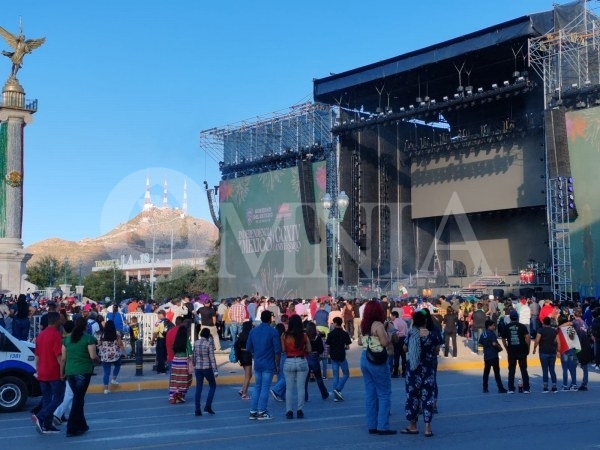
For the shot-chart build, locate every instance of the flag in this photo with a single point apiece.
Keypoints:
(567, 336)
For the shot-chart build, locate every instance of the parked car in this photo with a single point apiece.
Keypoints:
(17, 372)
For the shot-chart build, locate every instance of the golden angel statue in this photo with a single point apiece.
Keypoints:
(20, 46)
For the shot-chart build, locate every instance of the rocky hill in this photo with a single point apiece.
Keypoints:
(161, 232)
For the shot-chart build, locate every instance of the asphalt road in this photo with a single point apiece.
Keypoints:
(467, 418)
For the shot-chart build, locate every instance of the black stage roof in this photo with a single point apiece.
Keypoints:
(491, 56)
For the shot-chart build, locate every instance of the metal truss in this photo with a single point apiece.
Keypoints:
(558, 202)
(566, 58)
(302, 126)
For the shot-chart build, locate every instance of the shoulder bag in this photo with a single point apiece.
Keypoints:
(376, 353)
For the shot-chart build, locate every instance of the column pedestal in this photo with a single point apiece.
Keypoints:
(12, 265)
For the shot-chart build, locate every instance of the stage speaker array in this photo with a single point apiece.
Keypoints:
(307, 198)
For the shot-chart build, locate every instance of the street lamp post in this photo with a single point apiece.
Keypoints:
(66, 265)
(114, 281)
(336, 209)
(51, 273)
(80, 267)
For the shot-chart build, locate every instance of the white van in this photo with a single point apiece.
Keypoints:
(17, 372)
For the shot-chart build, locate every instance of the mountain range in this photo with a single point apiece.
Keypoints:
(159, 232)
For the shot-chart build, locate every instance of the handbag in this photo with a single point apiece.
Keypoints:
(376, 357)
(190, 366)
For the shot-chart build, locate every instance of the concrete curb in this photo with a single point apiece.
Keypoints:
(142, 384)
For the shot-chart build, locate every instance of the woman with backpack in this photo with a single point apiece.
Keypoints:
(110, 349)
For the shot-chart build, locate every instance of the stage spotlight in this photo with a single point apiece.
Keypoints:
(469, 90)
(419, 100)
(445, 98)
(402, 109)
(516, 74)
(506, 83)
(570, 188)
(570, 180)
(411, 106)
(433, 101)
(456, 95)
(494, 86)
(574, 86)
(427, 99)
(520, 80)
(480, 90)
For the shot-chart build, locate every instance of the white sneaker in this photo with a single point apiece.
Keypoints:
(115, 382)
(106, 391)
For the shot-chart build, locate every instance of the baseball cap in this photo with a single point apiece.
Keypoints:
(514, 315)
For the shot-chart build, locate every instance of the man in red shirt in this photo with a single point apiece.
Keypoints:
(50, 373)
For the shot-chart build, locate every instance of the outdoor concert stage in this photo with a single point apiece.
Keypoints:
(453, 158)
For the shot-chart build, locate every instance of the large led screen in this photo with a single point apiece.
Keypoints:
(265, 245)
(490, 177)
(583, 132)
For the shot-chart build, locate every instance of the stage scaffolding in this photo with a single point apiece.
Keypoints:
(288, 133)
(567, 58)
(559, 204)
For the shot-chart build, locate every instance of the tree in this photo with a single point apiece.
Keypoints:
(175, 284)
(49, 271)
(207, 281)
(99, 285)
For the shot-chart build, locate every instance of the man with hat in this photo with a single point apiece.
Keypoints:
(516, 340)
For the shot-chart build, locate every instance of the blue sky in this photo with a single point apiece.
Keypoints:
(125, 87)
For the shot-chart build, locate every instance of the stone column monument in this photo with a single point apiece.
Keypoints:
(15, 113)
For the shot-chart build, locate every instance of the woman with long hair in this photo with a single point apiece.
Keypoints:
(422, 347)
(378, 384)
(20, 324)
(110, 349)
(244, 357)
(295, 345)
(180, 379)
(77, 359)
(314, 363)
(433, 328)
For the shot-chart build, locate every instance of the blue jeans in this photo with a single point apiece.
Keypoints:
(378, 392)
(314, 366)
(338, 383)
(547, 361)
(262, 384)
(279, 387)
(52, 396)
(476, 333)
(106, 366)
(569, 366)
(79, 385)
(234, 329)
(201, 374)
(296, 370)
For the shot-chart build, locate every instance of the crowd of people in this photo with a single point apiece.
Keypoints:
(284, 345)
